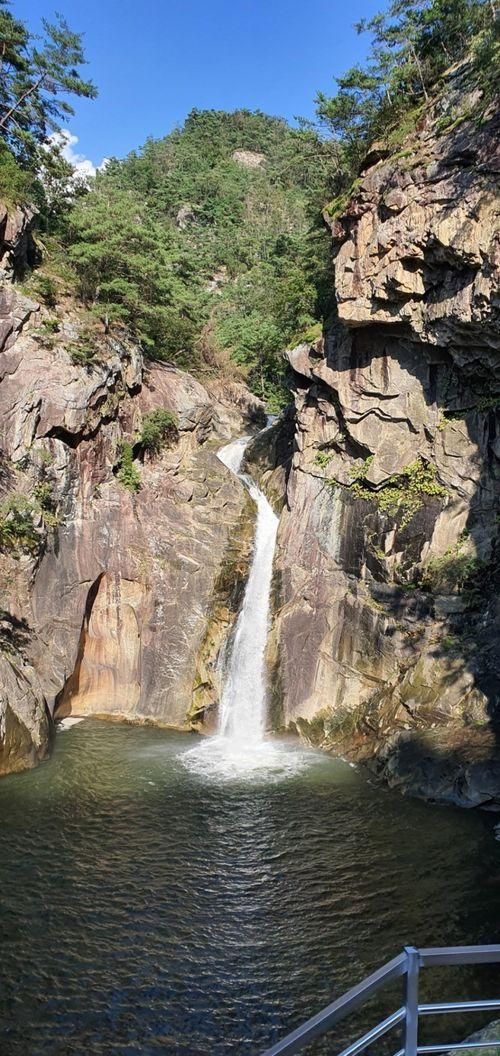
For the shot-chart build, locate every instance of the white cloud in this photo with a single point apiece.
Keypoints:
(84, 167)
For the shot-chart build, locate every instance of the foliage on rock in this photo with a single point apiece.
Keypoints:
(125, 468)
(158, 428)
(17, 531)
(404, 493)
(24, 519)
(413, 42)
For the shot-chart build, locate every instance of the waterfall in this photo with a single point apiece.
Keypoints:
(242, 712)
(240, 748)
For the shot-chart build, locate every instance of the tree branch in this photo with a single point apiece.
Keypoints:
(12, 110)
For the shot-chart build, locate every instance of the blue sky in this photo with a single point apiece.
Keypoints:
(154, 60)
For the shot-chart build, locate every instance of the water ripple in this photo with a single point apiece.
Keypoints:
(197, 914)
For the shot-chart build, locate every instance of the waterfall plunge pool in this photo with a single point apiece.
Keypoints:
(160, 896)
(147, 910)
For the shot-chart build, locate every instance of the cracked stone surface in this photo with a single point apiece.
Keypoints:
(366, 658)
(110, 616)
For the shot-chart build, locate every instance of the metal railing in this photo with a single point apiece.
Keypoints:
(407, 965)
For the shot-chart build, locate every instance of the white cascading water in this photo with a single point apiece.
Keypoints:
(240, 747)
(242, 711)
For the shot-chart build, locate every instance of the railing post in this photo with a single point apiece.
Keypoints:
(411, 1020)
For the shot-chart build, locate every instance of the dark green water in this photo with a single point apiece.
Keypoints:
(146, 910)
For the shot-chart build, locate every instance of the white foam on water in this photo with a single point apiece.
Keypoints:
(222, 758)
(66, 724)
(240, 747)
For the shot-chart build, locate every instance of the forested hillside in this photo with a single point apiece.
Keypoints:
(208, 245)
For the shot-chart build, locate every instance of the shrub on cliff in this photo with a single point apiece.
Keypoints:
(404, 493)
(159, 427)
(126, 472)
(17, 530)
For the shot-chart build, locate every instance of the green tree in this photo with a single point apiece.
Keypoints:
(37, 82)
(127, 265)
(413, 42)
(203, 257)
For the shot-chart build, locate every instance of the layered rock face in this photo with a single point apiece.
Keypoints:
(114, 601)
(386, 636)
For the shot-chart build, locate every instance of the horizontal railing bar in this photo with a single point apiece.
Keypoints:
(338, 1009)
(458, 1006)
(375, 1033)
(433, 955)
(461, 1045)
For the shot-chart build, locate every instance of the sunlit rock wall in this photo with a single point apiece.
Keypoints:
(119, 604)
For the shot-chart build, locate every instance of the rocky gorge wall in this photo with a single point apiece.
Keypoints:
(386, 473)
(385, 641)
(114, 601)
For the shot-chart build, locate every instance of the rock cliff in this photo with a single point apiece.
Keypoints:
(385, 643)
(115, 600)
(122, 565)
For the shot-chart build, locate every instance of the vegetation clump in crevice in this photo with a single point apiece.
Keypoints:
(17, 530)
(337, 206)
(159, 429)
(82, 352)
(446, 416)
(483, 404)
(488, 403)
(359, 470)
(47, 332)
(460, 571)
(45, 503)
(323, 458)
(403, 493)
(24, 519)
(125, 469)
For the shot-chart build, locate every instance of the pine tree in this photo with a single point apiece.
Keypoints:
(413, 42)
(36, 82)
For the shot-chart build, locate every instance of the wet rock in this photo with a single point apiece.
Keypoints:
(268, 458)
(447, 767)
(24, 722)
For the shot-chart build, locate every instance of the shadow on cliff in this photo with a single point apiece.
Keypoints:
(448, 746)
(14, 632)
